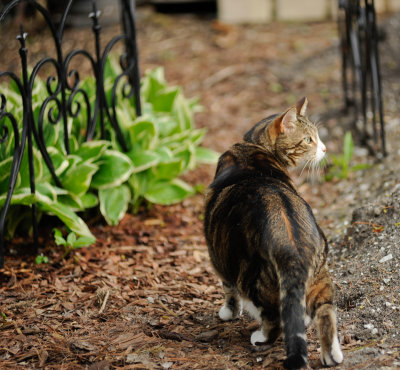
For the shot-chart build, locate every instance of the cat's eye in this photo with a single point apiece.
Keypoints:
(308, 139)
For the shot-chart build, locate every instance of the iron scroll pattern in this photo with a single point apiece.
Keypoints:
(361, 76)
(66, 97)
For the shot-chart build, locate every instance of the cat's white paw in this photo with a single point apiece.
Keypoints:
(225, 313)
(307, 320)
(334, 357)
(258, 337)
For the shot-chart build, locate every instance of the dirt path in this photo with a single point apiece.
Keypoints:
(145, 296)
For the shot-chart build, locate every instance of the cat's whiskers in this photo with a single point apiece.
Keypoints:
(305, 165)
(314, 169)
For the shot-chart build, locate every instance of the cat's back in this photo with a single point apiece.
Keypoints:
(251, 196)
(247, 173)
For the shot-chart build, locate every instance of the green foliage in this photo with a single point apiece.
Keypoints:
(41, 259)
(3, 318)
(162, 144)
(72, 242)
(342, 166)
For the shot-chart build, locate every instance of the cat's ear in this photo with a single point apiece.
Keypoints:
(283, 123)
(301, 106)
(289, 119)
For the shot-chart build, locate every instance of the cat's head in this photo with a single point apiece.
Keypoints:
(290, 136)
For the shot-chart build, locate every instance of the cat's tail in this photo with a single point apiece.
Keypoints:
(293, 313)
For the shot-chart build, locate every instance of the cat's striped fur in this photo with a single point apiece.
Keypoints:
(263, 239)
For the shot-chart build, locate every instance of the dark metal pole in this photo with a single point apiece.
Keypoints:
(23, 51)
(128, 22)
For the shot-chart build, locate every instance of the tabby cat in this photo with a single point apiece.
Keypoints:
(263, 239)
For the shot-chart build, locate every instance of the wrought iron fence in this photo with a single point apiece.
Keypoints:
(361, 71)
(65, 92)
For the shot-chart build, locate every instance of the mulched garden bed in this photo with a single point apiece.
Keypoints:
(145, 295)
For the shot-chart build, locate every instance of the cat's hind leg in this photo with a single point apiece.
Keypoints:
(270, 322)
(232, 307)
(268, 333)
(320, 307)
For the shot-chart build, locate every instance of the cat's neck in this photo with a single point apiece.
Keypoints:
(267, 152)
(253, 159)
(261, 156)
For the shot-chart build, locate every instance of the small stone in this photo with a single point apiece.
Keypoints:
(167, 365)
(388, 304)
(374, 331)
(150, 300)
(369, 326)
(386, 281)
(386, 258)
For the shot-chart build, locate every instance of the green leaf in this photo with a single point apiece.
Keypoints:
(185, 137)
(51, 133)
(168, 170)
(5, 170)
(197, 136)
(46, 189)
(205, 155)
(164, 101)
(183, 113)
(143, 134)
(139, 181)
(18, 216)
(77, 178)
(114, 203)
(37, 164)
(83, 241)
(91, 151)
(72, 201)
(360, 166)
(58, 238)
(59, 160)
(71, 239)
(167, 125)
(66, 215)
(21, 196)
(187, 156)
(168, 192)
(164, 153)
(89, 200)
(41, 259)
(111, 69)
(152, 83)
(73, 144)
(142, 160)
(348, 147)
(115, 169)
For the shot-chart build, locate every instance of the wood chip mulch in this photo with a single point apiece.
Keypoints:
(144, 296)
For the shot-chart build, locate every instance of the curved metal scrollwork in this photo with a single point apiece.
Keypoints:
(66, 98)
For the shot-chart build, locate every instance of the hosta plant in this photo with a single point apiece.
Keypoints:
(162, 144)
